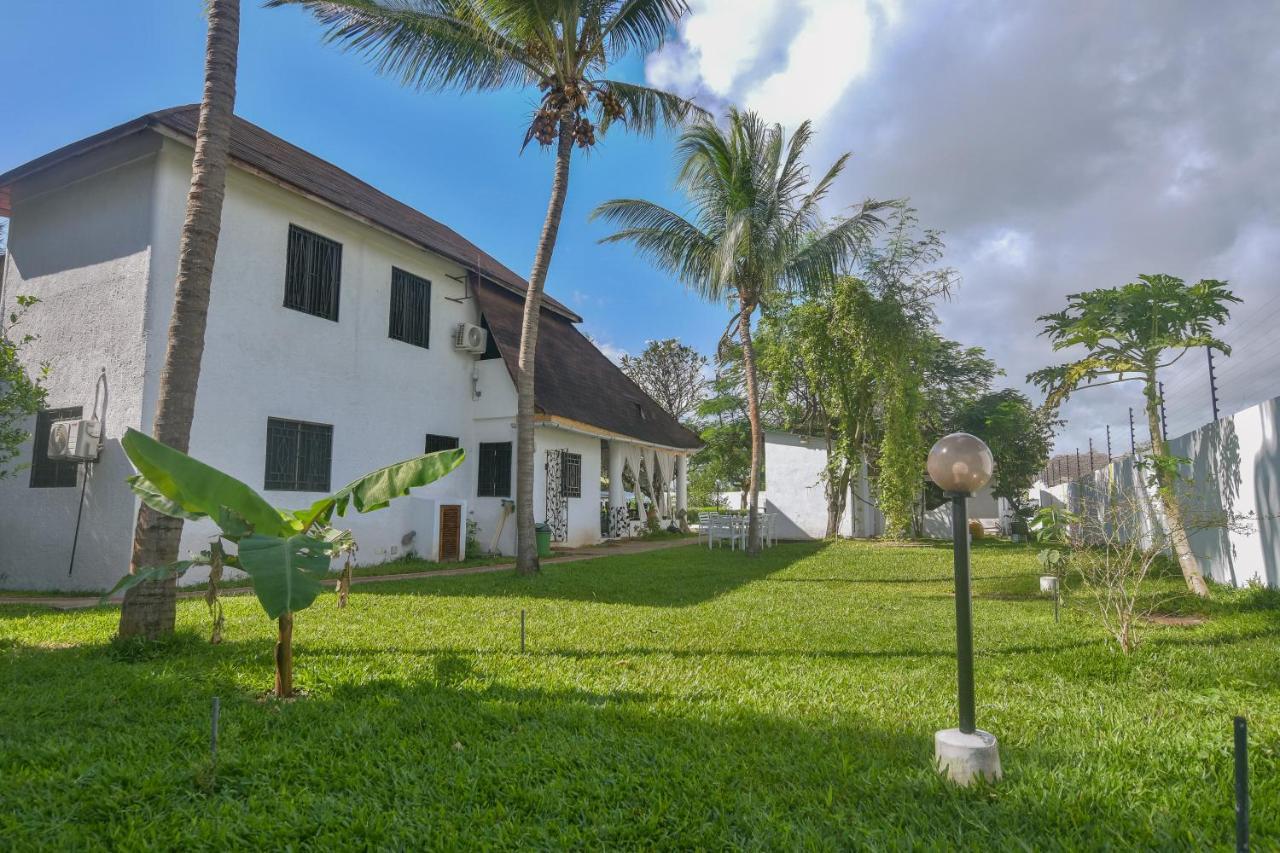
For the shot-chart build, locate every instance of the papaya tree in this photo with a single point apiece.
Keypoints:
(285, 553)
(1130, 334)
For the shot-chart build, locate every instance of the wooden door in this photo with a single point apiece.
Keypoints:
(450, 528)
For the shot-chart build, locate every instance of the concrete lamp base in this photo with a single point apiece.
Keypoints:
(965, 757)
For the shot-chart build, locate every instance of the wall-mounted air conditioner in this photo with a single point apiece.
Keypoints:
(75, 440)
(469, 337)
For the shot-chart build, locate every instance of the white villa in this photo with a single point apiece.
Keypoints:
(344, 334)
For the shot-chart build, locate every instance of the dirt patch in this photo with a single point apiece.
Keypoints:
(1176, 621)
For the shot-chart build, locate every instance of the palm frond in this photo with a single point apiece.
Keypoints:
(642, 25)
(670, 242)
(646, 108)
(428, 44)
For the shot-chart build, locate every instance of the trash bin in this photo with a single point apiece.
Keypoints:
(543, 532)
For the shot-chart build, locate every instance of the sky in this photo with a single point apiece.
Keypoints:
(1059, 147)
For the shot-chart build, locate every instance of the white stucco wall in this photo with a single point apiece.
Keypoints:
(797, 493)
(583, 512)
(84, 251)
(263, 360)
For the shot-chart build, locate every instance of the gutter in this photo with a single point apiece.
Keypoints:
(598, 432)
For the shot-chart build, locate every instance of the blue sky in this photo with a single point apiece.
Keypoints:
(1060, 147)
(86, 65)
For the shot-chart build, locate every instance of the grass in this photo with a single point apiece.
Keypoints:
(675, 699)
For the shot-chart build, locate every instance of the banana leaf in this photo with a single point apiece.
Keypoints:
(195, 489)
(376, 490)
(149, 573)
(286, 572)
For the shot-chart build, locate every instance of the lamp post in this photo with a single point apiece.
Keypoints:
(961, 464)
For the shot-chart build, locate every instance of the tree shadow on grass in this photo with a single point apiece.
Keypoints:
(458, 754)
(673, 577)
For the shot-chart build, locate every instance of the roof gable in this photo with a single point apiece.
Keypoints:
(574, 380)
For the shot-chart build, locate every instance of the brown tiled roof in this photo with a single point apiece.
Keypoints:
(259, 150)
(574, 380)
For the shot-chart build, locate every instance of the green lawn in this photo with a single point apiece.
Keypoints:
(678, 699)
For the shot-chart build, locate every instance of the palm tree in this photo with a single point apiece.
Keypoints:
(149, 608)
(756, 229)
(565, 48)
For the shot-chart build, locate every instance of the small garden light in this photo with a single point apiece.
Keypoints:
(960, 464)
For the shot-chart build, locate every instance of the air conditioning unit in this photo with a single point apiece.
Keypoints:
(469, 337)
(75, 440)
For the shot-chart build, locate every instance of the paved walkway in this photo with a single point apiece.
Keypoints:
(575, 555)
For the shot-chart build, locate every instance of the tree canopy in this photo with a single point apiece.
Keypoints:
(672, 374)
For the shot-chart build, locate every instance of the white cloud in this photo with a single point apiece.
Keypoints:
(1009, 247)
(790, 60)
(611, 352)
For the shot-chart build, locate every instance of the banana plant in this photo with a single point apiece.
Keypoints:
(1052, 528)
(285, 553)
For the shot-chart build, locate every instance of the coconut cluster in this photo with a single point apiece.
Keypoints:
(572, 99)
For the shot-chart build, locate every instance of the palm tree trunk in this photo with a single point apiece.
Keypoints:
(526, 543)
(149, 608)
(1169, 500)
(753, 417)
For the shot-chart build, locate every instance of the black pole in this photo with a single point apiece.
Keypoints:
(1091, 468)
(964, 610)
(521, 632)
(1078, 474)
(75, 537)
(1242, 785)
(1109, 456)
(1213, 384)
(1164, 425)
(1133, 439)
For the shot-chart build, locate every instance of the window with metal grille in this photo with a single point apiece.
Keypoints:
(410, 308)
(49, 473)
(495, 470)
(313, 274)
(436, 443)
(571, 475)
(299, 456)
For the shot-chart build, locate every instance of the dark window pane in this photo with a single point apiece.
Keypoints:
(494, 470)
(491, 345)
(49, 473)
(410, 308)
(571, 475)
(313, 274)
(299, 456)
(436, 443)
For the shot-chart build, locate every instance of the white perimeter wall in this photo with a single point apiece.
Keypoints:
(1234, 472)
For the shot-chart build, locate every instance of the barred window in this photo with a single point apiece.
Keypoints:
(410, 308)
(49, 473)
(495, 470)
(436, 443)
(313, 274)
(571, 475)
(299, 456)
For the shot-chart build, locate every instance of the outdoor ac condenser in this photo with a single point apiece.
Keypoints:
(469, 337)
(75, 440)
